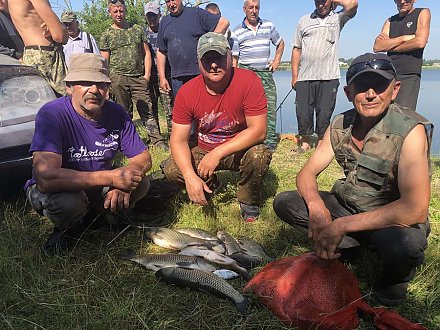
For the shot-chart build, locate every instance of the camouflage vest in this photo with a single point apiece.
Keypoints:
(371, 174)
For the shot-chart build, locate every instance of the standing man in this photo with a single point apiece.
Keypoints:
(404, 37)
(11, 43)
(79, 41)
(251, 50)
(177, 40)
(230, 109)
(316, 80)
(383, 200)
(124, 45)
(76, 140)
(43, 36)
(152, 16)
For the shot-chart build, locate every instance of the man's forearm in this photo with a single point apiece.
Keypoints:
(222, 26)
(160, 62)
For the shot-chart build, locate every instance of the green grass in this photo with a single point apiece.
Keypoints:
(91, 288)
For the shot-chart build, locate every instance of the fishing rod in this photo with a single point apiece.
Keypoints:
(279, 108)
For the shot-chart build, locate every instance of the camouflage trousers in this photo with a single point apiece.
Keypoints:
(270, 89)
(166, 99)
(252, 164)
(49, 60)
(128, 91)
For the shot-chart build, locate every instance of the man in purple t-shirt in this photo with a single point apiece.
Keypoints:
(75, 142)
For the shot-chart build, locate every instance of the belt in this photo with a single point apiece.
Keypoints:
(37, 47)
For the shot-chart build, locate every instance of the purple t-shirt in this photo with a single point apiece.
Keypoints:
(85, 145)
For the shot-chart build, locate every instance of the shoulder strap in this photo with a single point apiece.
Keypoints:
(90, 42)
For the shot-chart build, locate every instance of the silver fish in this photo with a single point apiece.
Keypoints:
(197, 279)
(197, 232)
(174, 240)
(217, 258)
(230, 244)
(246, 260)
(155, 262)
(252, 248)
(226, 274)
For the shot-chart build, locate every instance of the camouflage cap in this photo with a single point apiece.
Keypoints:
(212, 41)
(151, 7)
(87, 67)
(68, 17)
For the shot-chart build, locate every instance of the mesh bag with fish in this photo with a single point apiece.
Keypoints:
(311, 293)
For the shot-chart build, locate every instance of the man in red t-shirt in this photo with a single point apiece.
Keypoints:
(229, 108)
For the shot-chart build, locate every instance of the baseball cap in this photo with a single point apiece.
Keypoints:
(212, 41)
(380, 64)
(87, 67)
(151, 7)
(68, 17)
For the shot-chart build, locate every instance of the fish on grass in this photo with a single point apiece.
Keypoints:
(216, 258)
(156, 262)
(206, 282)
(231, 245)
(199, 233)
(174, 240)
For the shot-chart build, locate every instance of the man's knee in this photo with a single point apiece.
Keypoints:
(62, 208)
(170, 169)
(401, 246)
(258, 157)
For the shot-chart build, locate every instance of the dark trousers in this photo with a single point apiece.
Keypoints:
(134, 90)
(400, 249)
(409, 90)
(252, 164)
(177, 82)
(315, 96)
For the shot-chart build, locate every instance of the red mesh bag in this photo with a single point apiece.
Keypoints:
(311, 293)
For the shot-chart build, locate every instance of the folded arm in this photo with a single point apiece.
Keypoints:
(405, 43)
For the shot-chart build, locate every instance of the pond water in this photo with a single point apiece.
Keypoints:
(430, 86)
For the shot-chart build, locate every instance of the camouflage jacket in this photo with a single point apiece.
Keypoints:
(126, 49)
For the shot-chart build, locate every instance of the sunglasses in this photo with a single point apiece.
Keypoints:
(114, 2)
(376, 64)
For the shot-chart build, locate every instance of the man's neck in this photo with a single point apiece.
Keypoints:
(407, 13)
(252, 26)
(123, 25)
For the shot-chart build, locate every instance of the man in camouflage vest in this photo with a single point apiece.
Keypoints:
(124, 45)
(383, 200)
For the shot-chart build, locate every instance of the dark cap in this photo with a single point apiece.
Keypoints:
(380, 64)
(212, 41)
(68, 17)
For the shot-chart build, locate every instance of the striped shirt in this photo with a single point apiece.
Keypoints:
(252, 47)
(80, 44)
(318, 39)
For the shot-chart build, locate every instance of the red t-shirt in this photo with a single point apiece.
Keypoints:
(220, 117)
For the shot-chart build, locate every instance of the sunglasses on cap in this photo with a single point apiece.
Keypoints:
(376, 64)
(114, 2)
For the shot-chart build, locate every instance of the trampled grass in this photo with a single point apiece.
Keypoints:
(91, 287)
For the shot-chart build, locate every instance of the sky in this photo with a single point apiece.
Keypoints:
(357, 37)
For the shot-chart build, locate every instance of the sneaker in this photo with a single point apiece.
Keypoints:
(249, 213)
(58, 242)
(391, 294)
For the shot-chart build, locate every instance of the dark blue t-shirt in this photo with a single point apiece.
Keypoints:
(85, 145)
(178, 37)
